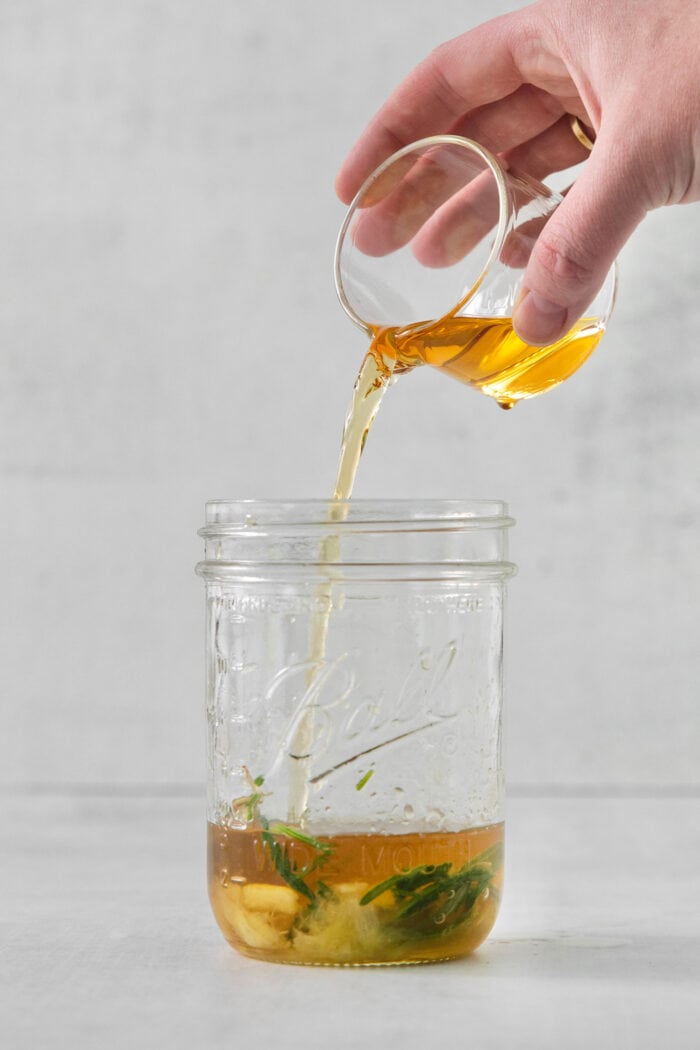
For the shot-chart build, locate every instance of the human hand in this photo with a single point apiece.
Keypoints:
(629, 70)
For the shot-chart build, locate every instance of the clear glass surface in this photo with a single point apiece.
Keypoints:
(354, 690)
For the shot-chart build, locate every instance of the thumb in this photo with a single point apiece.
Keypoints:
(579, 244)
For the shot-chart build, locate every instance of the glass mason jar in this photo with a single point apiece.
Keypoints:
(354, 692)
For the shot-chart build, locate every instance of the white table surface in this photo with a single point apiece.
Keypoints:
(107, 939)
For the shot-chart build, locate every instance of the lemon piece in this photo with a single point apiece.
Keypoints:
(259, 896)
(350, 889)
(254, 930)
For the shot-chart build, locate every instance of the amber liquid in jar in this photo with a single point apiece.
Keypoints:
(373, 898)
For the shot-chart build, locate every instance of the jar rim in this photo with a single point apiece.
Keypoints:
(346, 515)
(437, 538)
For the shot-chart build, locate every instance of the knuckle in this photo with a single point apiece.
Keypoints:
(442, 88)
(565, 262)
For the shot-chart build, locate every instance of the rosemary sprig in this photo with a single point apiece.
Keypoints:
(275, 835)
(283, 861)
(430, 900)
(405, 883)
(248, 806)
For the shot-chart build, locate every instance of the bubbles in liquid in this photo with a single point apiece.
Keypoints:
(408, 811)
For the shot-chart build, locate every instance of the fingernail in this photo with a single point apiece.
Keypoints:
(537, 320)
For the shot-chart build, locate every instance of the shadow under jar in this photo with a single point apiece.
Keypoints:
(354, 695)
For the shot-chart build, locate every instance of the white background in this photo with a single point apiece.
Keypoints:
(169, 333)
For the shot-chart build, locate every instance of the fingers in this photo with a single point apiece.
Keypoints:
(578, 245)
(386, 221)
(458, 225)
(511, 121)
(555, 149)
(445, 195)
(472, 70)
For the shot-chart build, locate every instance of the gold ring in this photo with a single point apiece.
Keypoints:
(580, 132)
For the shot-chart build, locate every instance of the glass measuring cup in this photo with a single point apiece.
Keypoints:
(429, 262)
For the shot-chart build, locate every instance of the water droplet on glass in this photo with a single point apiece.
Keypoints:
(408, 811)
